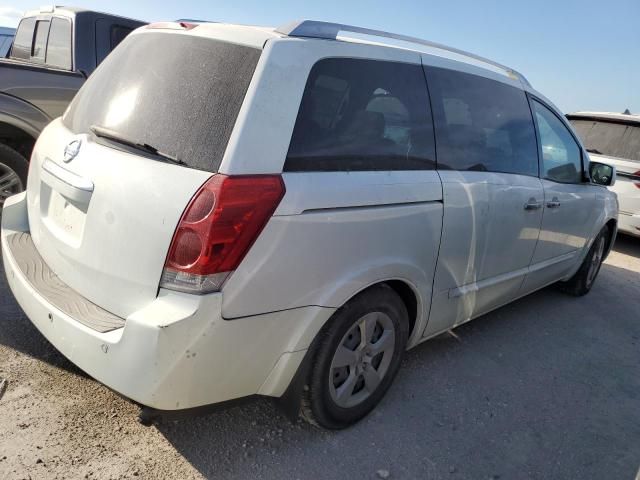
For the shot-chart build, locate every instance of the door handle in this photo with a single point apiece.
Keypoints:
(554, 203)
(532, 204)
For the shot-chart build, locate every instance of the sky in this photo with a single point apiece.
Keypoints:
(581, 54)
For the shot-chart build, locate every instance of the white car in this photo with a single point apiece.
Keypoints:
(614, 138)
(228, 211)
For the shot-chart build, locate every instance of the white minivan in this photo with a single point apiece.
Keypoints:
(229, 211)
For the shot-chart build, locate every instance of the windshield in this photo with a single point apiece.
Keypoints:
(609, 138)
(183, 101)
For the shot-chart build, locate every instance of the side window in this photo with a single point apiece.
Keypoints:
(59, 45)
(40, 40)
(361, 114)
(118, 33)
(481, 124)
(561, 157)
(23, 40)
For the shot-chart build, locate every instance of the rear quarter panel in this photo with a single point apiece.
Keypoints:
(337, 233)
(334, 233)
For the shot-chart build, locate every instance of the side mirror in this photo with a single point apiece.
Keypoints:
(602, 174)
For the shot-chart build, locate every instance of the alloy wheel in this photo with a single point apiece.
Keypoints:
(10, 183)
(596, 259)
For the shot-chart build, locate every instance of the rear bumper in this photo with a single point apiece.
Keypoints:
(629, 223)
(177, 352)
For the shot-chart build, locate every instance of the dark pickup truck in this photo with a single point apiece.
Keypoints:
(54, 50)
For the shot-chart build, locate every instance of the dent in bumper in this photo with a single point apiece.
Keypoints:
(177, 352)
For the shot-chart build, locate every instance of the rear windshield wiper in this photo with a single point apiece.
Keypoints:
(108, 134)
(593, 150)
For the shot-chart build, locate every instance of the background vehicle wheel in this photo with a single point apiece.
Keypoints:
(583, 280)
(13, 172)
(355, 358)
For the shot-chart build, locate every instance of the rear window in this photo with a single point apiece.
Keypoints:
(183, 101)
(40, 40)
(59, 45)
(609, 138)
(360, 114)
(119, 33)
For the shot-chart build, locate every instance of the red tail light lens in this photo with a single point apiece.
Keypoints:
(637, 174)
(217, 229)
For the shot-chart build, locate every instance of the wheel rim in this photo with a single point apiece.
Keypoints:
(10, 183)
(362, 359)
(596, 259)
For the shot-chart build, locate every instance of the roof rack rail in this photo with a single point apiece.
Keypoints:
(192, 20)
(330, 31)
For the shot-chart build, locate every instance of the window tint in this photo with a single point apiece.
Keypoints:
(561, 157)
(481, 124)
(184, 102)
(363, 115)
(610, 138)
(40, 40)
(24, 38)
(59, 45)
(118, 33)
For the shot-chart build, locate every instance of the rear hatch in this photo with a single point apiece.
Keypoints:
(103, 211)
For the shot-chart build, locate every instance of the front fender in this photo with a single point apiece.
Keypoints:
(611, 213)
(607, 208)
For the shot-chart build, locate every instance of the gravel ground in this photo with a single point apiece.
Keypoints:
(545, 388)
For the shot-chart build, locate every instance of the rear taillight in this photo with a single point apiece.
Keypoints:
(637, 174)
(217, 229)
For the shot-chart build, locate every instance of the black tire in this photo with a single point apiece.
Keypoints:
(580, 284)
(10, 160)
(380, 304)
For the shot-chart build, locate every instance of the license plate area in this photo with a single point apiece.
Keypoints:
(64, 218)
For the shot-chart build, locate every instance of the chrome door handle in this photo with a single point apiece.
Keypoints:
(532, 204)
(554, 203)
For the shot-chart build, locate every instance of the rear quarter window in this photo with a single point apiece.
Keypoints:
(178, 93)
(358, 114)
